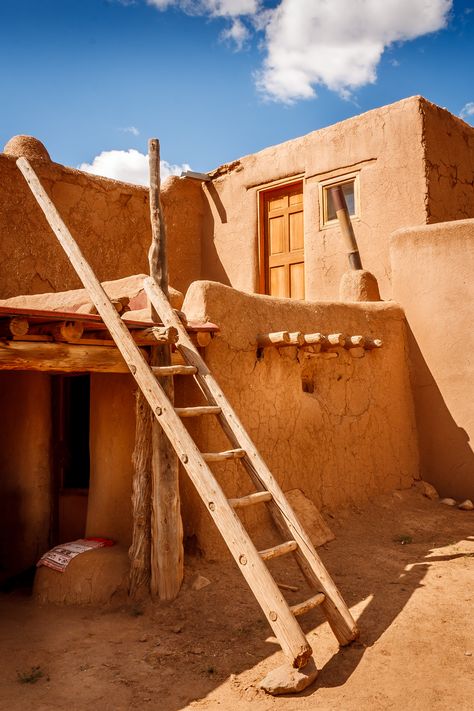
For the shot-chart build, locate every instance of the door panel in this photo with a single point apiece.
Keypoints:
(277, 234)
(297, 280)
(296, 230)
(278, 285)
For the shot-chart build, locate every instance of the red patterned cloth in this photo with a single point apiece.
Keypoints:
(59, 557)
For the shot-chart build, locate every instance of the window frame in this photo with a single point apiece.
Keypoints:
(324, 185)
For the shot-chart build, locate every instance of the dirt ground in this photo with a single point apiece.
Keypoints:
(404, 564)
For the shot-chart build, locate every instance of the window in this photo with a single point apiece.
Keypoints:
(350, 188)
(282, 241)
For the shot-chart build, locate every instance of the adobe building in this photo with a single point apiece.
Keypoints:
(253, 249)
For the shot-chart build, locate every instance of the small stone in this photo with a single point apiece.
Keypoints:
(449, 502)
(468, 654)
(199, 581)
(177, 629)
(429, 491)
(287, 680)
(466, 505)
(144, 638)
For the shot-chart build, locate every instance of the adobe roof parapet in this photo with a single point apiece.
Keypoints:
(27, 146)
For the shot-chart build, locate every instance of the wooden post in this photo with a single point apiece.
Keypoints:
(345, 224)
(166, 525)
(139, 552)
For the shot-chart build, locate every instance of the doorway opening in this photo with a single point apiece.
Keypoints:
(71, 456)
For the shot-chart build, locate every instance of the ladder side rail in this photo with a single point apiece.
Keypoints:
(334, 606)
(287, 630)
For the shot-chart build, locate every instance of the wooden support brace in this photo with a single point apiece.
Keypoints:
(68, 331)
(279, 338)
(16, 326)
(354, 342)
(372, 343)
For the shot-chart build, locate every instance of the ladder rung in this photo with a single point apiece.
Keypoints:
(302, 607)
(257, 498)
(162, 370)
(196, 411)
(279, 550)
(221, 456)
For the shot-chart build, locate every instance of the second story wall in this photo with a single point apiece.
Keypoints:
(382, 150)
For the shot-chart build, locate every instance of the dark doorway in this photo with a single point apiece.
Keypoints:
(71, 465)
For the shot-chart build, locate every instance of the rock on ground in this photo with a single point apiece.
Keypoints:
(287, 680)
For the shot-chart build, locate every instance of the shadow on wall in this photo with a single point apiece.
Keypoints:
(447, 459)
(212, 267)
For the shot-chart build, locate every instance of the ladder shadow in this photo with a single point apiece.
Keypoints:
(389, 597)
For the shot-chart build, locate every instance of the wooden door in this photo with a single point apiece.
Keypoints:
(283, 242)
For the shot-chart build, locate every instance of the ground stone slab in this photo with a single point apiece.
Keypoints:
(287, 680)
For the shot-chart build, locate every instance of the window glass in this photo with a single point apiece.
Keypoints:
(348, 190)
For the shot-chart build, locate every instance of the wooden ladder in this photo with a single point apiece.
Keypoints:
(250, 561)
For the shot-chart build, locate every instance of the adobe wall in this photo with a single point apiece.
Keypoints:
(432, 280)
(109, 219)
(112, 438)
(384, 145)
(25, 481)
(353, 437)
(449, 145)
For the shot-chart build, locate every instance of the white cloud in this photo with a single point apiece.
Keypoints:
(215, 8)
(237, 33)
(338, 43)
(335, 43)
(130, 129)
(467, 111)
(129, 166)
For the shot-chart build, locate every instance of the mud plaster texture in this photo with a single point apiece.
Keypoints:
(383, 146)
(25, 501)
(432, 279)
(109, 219)
(352, 437)
(449, 148)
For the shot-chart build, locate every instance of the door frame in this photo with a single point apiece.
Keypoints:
(262, 192)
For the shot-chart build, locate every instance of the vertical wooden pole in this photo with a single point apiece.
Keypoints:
(166, 525)
(139, 552)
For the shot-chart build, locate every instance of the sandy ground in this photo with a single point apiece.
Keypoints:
(209, 649)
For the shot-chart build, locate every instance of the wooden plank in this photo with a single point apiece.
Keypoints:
(336, 610)
(197, 411)
(286, 629)
(222, 456)
(167, 553)
(279, 550)
(47, 357)
(259, 497)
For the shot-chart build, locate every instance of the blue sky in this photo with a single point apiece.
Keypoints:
(217, 79)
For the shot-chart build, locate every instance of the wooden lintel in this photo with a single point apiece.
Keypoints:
(60, 357)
